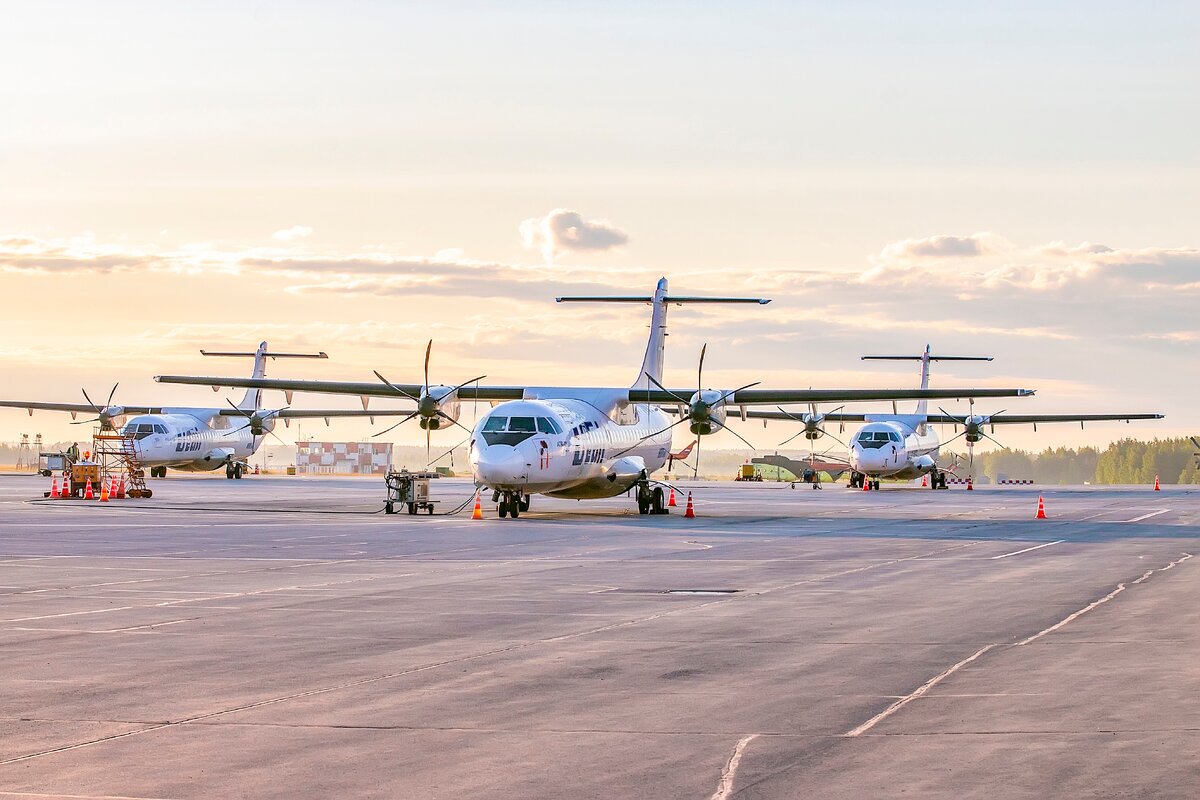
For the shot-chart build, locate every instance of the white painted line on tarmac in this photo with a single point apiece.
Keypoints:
(1148, 516)
(1028, 549)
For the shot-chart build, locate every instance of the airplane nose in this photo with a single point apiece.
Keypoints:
(868, 459)
(500, 465)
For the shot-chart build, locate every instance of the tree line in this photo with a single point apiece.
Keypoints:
(1128, 461)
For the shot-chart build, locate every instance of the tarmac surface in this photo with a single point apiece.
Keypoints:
(273, 637)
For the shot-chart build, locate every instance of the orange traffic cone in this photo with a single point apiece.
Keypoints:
(866, 485)
(103, 492)
(671, 499)
(970, 485)
(1041, 513)
(1157, 488)
(924, 481)
(478, 512)
(689, 512)
(54, 486)
(88, 494)
(121, 490)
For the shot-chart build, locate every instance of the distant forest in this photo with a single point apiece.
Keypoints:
(1125, 462)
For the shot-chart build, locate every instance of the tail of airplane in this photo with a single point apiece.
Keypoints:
(252, 400)
(925, 359)
(652, 362)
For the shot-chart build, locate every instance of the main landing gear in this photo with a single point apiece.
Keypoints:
(158, 472)
(511, 503)
(937, 480)
(651, 500)
(859, 480)
(233, 471)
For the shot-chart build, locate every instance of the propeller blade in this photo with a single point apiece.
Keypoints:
(785, 441)
(453, 421)
(393, 386)
(792, 416)
(836, 439)
(959, 436)
(427, 437)
(735, 391)
(700, 371)
(696, 466)
(428, 348)
(652, 379)
(91, 403)
(110, 395)
(241, 411)
(464, 383)
(993, 441)
(738, 435)
(397, 425)
(86, 421)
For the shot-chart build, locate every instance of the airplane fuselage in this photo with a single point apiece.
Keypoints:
(570, 448)
(191, 440)
(897, 448)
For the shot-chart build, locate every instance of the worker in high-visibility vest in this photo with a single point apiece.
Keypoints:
(73, 452)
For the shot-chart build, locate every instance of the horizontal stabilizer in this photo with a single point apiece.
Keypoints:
(676, 299)
(931, 358)
(265, 353)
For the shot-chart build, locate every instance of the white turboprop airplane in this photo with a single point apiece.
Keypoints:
(904, 446)
(586, 443)
(198, 439)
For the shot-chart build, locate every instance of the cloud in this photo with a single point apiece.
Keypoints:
(292, 233)
(563, 231)
(942, 246)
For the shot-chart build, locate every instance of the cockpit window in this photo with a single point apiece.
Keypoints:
(138, 431)
(873, 440)
(547, 425)
(160, 429)
(509, 430)
(521, 425)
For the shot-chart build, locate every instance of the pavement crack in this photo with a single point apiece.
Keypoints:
(725, 784)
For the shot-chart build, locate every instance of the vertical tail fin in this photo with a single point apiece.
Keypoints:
(252, 400)
(652, 361)
(926, 359)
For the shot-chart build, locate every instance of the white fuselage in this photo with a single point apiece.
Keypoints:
(574, 448)
(902, 448)
(191, 439)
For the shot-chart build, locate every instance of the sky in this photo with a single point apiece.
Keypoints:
(1016, 181)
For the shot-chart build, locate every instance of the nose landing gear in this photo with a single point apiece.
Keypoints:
(511, 503)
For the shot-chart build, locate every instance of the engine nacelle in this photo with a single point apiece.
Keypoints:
(219, 454)
(973, 428)
(627, 471)
(439, 407)
(707, 412)
(812, 426)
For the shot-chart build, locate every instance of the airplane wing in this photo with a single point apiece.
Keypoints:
(73, 408)
(657, 396)
(1036, 419)
(296, 413)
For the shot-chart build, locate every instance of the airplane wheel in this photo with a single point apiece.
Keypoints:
(657, 503)
(503, 508)
(514, 506)
(523, 503)
(147, 493)
(237, 472)
(229, 473)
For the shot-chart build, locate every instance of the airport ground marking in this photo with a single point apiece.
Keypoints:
(935, 680)
(725, 784)
(1148, 516)
(1028, 549)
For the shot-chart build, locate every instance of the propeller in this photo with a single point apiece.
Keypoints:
(973, 425)
(106, 415)
(704, 411)
(429, 404)
(256, 421)
(813, 425)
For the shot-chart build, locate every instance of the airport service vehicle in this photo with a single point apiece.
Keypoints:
(905, 446)
(198, 439)
(589, 442)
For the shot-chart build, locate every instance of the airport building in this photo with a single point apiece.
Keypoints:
(353, 458)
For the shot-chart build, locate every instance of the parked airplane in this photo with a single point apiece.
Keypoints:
(198, 439)
(586, 443)
(904, 446)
